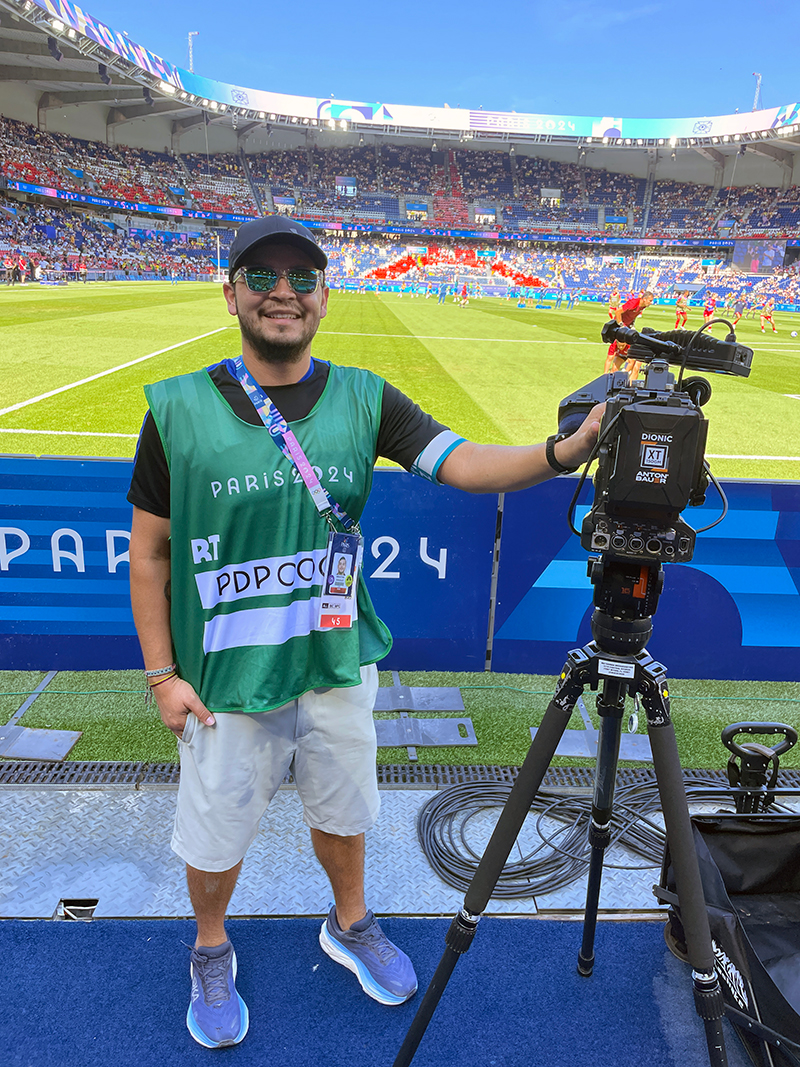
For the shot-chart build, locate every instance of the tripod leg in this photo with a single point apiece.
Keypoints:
(610, 706)
(708, 998)
(462, 929)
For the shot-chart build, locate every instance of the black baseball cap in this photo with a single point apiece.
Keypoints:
(278, 228)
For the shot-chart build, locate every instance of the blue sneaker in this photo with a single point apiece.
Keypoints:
(217, 1015)
(384, 972)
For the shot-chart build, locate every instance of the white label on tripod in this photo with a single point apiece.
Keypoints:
(610, 668)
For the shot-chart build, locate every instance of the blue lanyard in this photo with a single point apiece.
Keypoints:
(286, 441)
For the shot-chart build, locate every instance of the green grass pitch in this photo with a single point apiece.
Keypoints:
(490, 371)
(74, 361)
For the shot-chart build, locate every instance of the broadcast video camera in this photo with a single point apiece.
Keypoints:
(651, 446)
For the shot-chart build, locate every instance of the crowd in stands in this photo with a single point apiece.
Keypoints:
(406, 169)
(534, 174)
(452, 186)
(58, 240)
(485, 174)
(54, 241)
(620, 191)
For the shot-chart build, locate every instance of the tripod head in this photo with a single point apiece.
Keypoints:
(626, 596)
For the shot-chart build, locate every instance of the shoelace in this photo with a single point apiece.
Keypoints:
(213, 975)
(378, 942)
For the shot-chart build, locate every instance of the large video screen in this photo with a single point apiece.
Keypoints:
(758, 256)
(346, 185)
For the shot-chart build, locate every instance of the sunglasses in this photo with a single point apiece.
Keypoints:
(303, 280)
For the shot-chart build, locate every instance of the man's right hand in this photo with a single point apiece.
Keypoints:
(176, 701)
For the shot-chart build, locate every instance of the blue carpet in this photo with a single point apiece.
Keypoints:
(114, 994)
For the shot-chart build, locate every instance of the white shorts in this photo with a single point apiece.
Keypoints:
(232, 770)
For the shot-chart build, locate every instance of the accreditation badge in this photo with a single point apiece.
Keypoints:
(339, 602)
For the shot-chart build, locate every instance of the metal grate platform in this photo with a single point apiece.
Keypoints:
(409, 776)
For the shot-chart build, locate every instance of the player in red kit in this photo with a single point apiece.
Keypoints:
(626, 315)
(617, 354)
(681, 311)
(766, 315)
(710, 308)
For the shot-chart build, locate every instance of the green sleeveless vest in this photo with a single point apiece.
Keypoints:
(247, 542)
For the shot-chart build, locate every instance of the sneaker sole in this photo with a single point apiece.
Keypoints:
(202, 1038)
(339, 953)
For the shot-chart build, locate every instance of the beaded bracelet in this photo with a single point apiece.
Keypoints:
(161, 670)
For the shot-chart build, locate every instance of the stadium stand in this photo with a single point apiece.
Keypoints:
(514, 192)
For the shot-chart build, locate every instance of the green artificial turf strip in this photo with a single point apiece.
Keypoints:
(16, 682)
(109, 707)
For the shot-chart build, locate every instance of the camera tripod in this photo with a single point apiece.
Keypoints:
(625, 596)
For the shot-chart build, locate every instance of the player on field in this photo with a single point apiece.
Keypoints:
(681, 311)
(615, 301)
(738, 308)
(709, 308)
(626, 316)
(617, 354)
(766, 315)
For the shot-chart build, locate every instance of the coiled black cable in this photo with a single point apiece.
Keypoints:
(561, 856)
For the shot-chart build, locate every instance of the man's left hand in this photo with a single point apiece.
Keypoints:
(573, 451)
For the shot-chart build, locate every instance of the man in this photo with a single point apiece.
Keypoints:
(681, 311)
(767, 312)
(228, 562)
(626, 315)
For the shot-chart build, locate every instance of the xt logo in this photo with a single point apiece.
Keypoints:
(654, 456)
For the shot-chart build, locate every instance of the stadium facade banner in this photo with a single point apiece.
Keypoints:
(314, 109)
(733, 612)
(64, 593)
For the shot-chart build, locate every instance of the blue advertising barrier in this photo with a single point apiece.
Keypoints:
(64, 594)
(733, 612)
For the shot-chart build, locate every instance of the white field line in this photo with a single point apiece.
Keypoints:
(720, 455)
(103, 373)
(427, 337)
(68, 433)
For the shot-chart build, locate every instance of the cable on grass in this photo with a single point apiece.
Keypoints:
(561, 855)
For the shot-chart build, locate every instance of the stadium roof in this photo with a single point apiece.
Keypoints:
(73, 61)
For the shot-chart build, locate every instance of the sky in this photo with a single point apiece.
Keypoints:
(637, 59)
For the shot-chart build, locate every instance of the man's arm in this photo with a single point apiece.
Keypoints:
(506, 468)
(150, 600)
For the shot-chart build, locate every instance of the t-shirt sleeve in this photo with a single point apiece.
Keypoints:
(150, 483)
(411, 437)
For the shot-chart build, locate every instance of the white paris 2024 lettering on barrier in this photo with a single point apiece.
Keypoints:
(66, 545)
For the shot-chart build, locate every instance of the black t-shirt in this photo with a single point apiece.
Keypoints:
(405, 429)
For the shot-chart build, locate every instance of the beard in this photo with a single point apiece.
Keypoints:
(275, 351)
